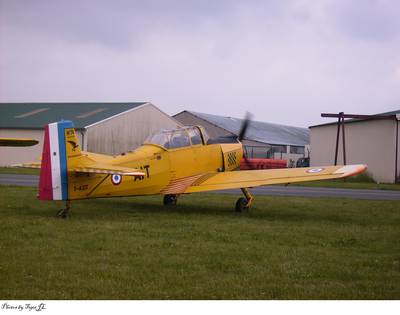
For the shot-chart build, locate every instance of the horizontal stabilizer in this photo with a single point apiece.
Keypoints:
(28, 165)
(17, 142)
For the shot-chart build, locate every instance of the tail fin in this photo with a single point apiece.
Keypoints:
(60, 144)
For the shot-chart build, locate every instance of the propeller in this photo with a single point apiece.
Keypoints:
(242, 134)
(237, 138)
(245, 125)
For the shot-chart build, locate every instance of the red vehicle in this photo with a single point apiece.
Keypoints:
(254, 164)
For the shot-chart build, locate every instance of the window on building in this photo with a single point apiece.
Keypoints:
(256, 152)
(296, 149)
(278, 149)
(264, 152)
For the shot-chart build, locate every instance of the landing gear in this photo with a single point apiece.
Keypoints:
(63, 213)
(243, 204)
(170, 200)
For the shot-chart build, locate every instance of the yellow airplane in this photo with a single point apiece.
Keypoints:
(17, 142)
(169, 163)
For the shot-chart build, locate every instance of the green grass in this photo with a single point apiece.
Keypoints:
(16, 170)
(135, 248)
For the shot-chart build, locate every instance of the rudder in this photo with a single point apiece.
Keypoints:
(60, 144)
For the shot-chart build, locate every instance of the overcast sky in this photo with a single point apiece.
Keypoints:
(284, 61)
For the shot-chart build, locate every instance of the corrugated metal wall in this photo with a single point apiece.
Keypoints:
(370, 142)
(127, 131)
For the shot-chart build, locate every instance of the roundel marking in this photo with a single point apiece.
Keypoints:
(116, 179)
(315, 170)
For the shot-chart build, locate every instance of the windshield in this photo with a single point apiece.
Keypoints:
(161, 139)
(178, 138)
(194, 134)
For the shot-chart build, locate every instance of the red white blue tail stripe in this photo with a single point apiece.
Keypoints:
(53, 182)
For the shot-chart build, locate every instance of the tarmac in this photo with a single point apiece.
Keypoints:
(275, 190)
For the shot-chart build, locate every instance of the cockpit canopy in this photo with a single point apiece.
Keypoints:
(178, 138)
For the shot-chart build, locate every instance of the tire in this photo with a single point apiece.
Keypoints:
(170, 200)
(241, 205)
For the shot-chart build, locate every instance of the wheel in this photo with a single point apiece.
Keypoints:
(241, 205)
(170, 200)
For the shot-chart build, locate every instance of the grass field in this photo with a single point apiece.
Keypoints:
(135, 248)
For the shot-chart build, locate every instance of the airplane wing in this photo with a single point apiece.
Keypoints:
(99, 168)
(28, 165)
(253, 178)
(17, 142)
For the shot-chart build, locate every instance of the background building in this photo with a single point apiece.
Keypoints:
(262, 140)
(109, 128)
(374, 142)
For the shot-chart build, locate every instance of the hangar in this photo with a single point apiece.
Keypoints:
(373, 141)
(109, 128)
(262, 140)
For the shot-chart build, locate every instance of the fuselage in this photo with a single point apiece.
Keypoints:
(165, 170)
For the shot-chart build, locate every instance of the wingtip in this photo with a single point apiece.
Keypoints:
(351, 170)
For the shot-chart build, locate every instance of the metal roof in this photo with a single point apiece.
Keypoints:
(37, 115)
(260, 131)
(392, 113)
